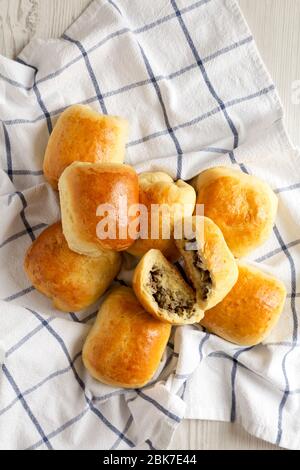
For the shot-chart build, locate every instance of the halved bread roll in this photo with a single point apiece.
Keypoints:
(252, 308)
(209, 263)
(163, 292)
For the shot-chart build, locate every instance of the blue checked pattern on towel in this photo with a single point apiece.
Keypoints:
(188, 77)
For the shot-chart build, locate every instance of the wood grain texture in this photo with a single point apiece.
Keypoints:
(275, 25)
(21, 20)
(209, 435)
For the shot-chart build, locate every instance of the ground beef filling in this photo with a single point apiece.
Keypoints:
(204, 274)
(172, 301)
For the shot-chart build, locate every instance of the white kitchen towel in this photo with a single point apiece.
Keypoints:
(188, 77)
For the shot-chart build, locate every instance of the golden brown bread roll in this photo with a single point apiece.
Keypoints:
(125, 345)
(178, 198)
(83, 187)
(250, 310)
(209, 263)
(71, 280)
(163, 292)
(81, 134)
(243, 206)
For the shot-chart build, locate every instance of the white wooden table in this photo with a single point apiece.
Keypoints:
(275, 25)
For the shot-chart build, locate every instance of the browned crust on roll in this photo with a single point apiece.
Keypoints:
(250, 310)
(178, 199)
(125, 345)
(71, 280)
(243, 207)
(83, 187)
(81, 134)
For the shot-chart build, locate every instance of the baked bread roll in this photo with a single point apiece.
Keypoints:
(178, 198)
(243, 206)
(163, 292)
(71, 280)
(209, 263)
(86, 187)
(125, 345)
(81, 134)
(250, 310)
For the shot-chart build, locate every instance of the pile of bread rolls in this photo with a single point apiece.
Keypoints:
(69, 263)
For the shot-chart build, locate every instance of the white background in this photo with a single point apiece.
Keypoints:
(276, 28)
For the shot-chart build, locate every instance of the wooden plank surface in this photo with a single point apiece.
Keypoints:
(275, 25)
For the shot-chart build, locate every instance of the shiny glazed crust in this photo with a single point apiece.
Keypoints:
(83, 187)
(243, 207)
(250, 310)
(71, 280)
(126, 344)
(82, 134)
